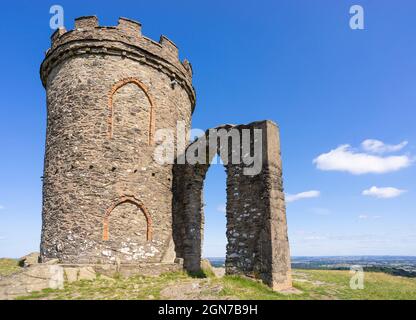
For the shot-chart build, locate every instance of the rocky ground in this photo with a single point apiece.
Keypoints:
(308, 284)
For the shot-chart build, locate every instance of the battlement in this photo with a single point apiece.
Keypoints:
(124, 39)
(88, 26)
(86, 22)
(130, 26)
(168, 45)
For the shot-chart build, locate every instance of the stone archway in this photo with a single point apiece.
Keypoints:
(256, 219)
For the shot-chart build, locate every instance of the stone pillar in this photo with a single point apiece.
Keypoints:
(256, 217)
(277, 267)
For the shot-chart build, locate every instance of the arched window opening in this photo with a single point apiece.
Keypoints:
(127, 218)
(131, 111)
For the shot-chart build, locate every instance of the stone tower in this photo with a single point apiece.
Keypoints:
(105, 198)
(108, 90)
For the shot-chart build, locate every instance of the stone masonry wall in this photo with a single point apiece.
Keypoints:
(108, 90)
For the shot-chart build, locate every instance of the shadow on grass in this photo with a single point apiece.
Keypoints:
(201, 274)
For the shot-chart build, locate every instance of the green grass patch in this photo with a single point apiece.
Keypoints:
(312, 285)
(8, 266)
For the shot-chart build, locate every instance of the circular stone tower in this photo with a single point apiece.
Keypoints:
(109, 89)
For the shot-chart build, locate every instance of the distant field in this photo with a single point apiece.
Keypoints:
(396, 265)
(311, 284)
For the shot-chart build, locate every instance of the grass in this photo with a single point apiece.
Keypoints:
(8, 266)
(377, 285)
(133, 288)
(312, 284)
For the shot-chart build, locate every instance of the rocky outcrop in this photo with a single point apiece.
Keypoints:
(31, 279)
(39, 276)
(30, 259)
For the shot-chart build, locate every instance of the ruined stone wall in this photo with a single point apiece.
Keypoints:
(108, 90)
(256, 218)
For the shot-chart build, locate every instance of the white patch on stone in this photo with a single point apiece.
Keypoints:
(125, 250)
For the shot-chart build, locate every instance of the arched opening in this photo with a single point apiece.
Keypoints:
(189, 219)
(127, 218)
(131, 111)
(214, 220)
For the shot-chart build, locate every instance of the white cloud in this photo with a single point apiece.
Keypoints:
(222, 208)
(1, 207)
(302, 195)
(365, 217)
(384, 193)
(344, 158)
(377, 146)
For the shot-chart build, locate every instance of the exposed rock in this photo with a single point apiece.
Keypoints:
(27, 260)
(194, 290)
(144, 269)
(52, 262)
(33, 278)
(87, 273)
(79, 273)
(71, 274)
(169, 255)
(291, 290)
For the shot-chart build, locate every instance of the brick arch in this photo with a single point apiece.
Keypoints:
(139, 204)
(141, 86)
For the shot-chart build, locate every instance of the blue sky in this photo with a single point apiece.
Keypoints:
(295, 62)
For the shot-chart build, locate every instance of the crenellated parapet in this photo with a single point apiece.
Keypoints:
(125, 40)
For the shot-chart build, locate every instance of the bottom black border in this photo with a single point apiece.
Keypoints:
(233, 309)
